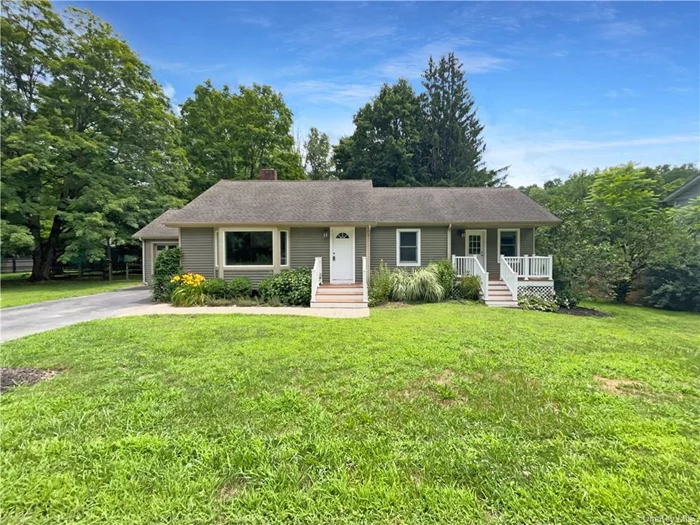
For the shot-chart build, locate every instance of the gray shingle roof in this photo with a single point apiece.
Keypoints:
(157, 229)
(279, 202)
(348, 202)
(458, 205)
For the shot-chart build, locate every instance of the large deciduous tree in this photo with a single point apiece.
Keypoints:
(432, 139)
(318, 155)
(90, 149)
(617, 237)
(385, 146)
(230, 135)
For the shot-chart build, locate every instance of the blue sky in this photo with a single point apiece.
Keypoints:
(560, 86)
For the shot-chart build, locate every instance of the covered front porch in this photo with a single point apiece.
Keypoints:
(517, 277)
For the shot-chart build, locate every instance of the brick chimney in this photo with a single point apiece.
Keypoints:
(267, 174)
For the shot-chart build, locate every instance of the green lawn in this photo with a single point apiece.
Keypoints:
(15, 290)
(424, 414)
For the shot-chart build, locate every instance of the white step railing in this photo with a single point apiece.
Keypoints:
(509, 276)
(364, 279)
(527, 266)
(316, 277)
(470, 265)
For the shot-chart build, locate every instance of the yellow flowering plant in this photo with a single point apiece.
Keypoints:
(188, 291)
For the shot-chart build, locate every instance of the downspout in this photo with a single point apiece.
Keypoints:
(143, 262)
(449, 241)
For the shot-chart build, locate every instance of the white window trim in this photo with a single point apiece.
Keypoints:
(517, 240)
(279, 232)
(250, 266)
(398, 246)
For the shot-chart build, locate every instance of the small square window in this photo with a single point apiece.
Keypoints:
(408, 247)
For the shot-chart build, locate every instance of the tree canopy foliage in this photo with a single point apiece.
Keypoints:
(402, 138)
(318, 155)
(230, 135)
(90, 145)
(617, 238)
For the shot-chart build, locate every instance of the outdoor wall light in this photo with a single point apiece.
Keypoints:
(325, 234)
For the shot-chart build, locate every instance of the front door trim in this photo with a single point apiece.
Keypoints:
(483, 244)
(334, 232)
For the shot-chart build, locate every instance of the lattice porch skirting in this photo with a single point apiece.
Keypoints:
(541, 292)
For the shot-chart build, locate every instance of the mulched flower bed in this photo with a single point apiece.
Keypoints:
(10, 377)
(582, 312)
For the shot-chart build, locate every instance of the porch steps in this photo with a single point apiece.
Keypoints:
(500, 296)
(339, 296)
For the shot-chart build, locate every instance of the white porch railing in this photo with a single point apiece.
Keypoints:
(316, 277)
(509, 276)
(470, 265)
(527, 266)
(365, 284)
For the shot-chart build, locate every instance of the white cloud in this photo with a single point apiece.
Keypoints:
(169, 90)
(412, 64)
(621, 30)
(536, 161)
(342, 94)
(244, 16)
(621, 92)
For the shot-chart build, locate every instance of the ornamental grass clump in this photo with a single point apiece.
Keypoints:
(189, 290)
(420, 286)
(423, 286)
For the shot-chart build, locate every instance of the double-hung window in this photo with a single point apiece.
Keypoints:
(408, 247)
(509, 242)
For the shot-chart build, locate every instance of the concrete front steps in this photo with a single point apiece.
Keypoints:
(500, 296)
(339, 296)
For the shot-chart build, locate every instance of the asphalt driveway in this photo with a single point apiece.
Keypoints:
(33, 318)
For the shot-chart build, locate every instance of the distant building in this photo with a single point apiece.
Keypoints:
(686, 193)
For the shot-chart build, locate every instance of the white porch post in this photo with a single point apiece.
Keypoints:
(221, 249)
(449, 241)
(549, 267)
(367, 246)
(276, 250)
(526, 267)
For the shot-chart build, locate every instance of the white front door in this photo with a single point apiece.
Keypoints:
(342, 255)
(476, 245)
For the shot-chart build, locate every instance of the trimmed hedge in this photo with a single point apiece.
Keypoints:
(291, 287)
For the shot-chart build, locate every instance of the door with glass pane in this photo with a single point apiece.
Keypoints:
(476, 245)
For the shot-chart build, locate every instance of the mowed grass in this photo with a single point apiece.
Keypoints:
(424, 414)
(15, 290)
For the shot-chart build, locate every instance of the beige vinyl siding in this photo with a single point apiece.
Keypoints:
(305, 245)
(360, 251)
(527, 241)
(255, 276)
(433, 240)
(382, 246)
(458, 243)
(148, 256)
(492, 264)
(197, 246)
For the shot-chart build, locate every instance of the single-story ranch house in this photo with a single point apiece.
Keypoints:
(344, 229)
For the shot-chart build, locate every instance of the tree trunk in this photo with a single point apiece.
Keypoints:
(44, 254)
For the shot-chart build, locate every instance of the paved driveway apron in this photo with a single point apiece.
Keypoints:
(34, 318)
